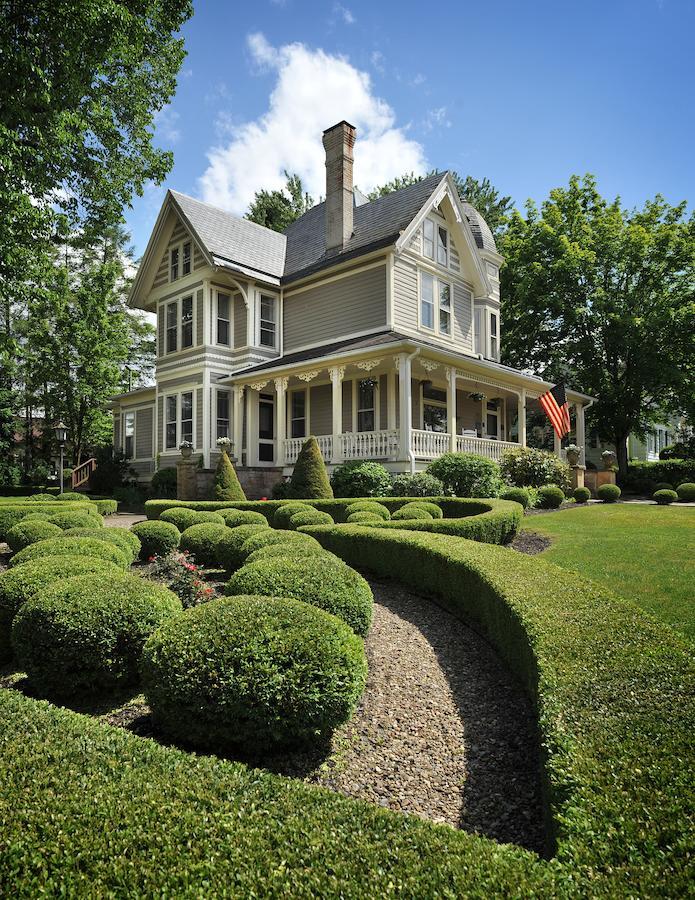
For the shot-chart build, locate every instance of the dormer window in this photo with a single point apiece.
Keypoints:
(442, 246)
(186, 267)
(428, 238)
(186, 322)
(173, 264)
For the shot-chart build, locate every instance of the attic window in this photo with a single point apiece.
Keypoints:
(428, 238)
(186, 267)
(173, 264)
(442, 246)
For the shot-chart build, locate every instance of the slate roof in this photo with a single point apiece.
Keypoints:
(302, 249)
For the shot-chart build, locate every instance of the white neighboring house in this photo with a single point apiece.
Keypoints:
(662, 435)
(375, 326)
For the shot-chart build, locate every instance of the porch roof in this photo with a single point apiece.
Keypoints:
(396, 342)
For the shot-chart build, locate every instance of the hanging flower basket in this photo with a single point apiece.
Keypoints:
(478, 398)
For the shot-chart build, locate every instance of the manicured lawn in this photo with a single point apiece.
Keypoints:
(643, 553)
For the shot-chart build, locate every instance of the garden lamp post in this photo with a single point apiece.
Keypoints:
(61, 436)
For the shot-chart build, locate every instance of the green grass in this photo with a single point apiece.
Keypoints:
(643, 553)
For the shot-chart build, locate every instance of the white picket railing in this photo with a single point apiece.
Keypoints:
(429, 444)
(483, 446)
(294, 445)
(370, 444)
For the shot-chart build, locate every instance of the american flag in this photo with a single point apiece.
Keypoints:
(554, 402)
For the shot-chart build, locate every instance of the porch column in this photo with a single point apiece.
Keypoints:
(557, 444)
(238, 435)
(391, 400)
(336, 374)
(405, 404)
(280, 419)
(522, 417)
(581, 432)
(252, 423)
(451, 406)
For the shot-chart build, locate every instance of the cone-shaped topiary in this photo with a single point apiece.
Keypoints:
(309, 479)
(226, 485)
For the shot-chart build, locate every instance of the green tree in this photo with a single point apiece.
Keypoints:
(605, 297)
(279, 209)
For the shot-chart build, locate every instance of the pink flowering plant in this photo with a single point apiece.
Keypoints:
(181, 576)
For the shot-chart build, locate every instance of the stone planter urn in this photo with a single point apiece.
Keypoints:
(608, 458)
(186, 452)
(573, 455)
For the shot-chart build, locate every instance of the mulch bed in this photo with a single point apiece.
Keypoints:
(530, 543)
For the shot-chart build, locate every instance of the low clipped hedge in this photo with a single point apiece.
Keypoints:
(253, 673)
(283, 514)
(518, 495)
(363, 516)
(268, 538)
(411, 514)
(40, 498)
(184, 518)
(229, 547)
(310, 517)
(156, 538)
(106, 507)
(75, 519)
(202, 541)
(672, 471)
(370, 506)
(331, 586)
(13, 512)
(686, 492)
(23, 582)
(550, 496)
(125, 540)
(85, 634)
(608, 493)
(71, 546)
(289, 550)
(28, 531)
(234, 517)
(433, 509)
(664, 497)
(72, 497)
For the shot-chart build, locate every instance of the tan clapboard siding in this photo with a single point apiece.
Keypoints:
(405, 292)
(198, 413)
(239, 316)
(321, 409)
(347, 406)
(383, 400)
(160, 331)
(117, 430)
(463, 325)
(356, 303)
(454, 261)
(178, 235)
(143, 433)
(198, 258)
(199, 317)
(146, 467)
(165, 387)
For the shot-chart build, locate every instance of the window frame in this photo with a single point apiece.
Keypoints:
(168, 421)
(362, 410)
(442, 230)
(187, 325)
(177, 397)
(186, 260)
(191, 420)
(174, 266)
(304, 393)
(169, 329)
(229, 320)
(126, 415)
(493, 338)
(265, 295)
(437, 308)
(426, 225)
(478, 331)
(220, 393)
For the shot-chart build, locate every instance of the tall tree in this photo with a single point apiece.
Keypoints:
(279, 209)
(605, 297)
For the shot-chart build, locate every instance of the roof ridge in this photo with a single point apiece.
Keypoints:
(226, 212)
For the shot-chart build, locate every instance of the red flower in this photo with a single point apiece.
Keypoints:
(151, 559)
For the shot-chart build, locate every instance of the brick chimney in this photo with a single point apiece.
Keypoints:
(338, 142)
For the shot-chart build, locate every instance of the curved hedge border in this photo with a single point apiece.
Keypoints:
(491, 521)
(12, 513)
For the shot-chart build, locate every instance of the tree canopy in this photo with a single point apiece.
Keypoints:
(279, 209)
(605, 297)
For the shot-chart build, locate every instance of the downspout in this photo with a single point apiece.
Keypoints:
(411, 455)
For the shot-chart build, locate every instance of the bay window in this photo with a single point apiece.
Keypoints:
(478, 327)
(427, 300)
(223, 319)
(187, 322)
(222, 414)
(171, 327)
(129, 434)
(268, 321)
(493, 336)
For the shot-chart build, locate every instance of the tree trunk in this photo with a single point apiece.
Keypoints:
(621, 455)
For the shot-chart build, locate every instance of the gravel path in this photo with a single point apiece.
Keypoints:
(122, 520)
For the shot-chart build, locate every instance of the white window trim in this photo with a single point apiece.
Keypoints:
(164, 305)
(437, 281)
(215, 418)
(165, 395)
(257, 329)
(179, 246)
(437, 223)
(215, 317)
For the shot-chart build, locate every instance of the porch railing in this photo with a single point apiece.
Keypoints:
(81, 474)
(483, 446)
(370, 444)
(294, 445)
(429, 444)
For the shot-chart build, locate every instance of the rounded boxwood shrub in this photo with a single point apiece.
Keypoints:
(431, 508)
(358, 478)
(71, 519)
(290, 550)
(663, 486)
(467, 474)
(550, 496)
(86, 634)
(422, 484)
(234, 517)
(28, 531)
(332, 586)
(72, 496)
(183, 517)
(582, 494)
(71, 546)
(310, 517)
(362, 516)
(686, 492)
(518, 495)
(269, 538)
(106, 507)
(229, 547)
(664, 497)
(125, 540)
(408, 512)
(36, 516)
(202, 541)
(283, 514)
(156, 538)
(163, 484)
(609, 493)
(371, 506)
(23, 582)
(39, 498)
(253, 673)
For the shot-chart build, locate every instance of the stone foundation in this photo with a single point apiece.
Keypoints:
(259, 481)
(193, 483)
(594, 479)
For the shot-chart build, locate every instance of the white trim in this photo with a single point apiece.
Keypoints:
(177, 392)
(260, 294)
(215, 307)
(390, 291)
(437, 280)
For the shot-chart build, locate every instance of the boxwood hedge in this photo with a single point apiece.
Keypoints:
(202, 540)
(156, 538)
(28, 531)
(71, 546)
(310, 517)
(268, 538)
(13, 512)
(125, 540)
(76, 519)
(254, 673)
(229, 553)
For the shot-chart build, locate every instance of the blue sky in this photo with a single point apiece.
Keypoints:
(525, 93)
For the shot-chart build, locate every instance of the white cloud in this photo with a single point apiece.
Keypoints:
(436, 118)
(344, 13)
(378, 60)
(312, 91)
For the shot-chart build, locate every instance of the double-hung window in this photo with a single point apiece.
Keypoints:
(427, 300)
(186, 322)
(268, 321)
(172, 330)
(435, 304)
(223, 414)
(493, 336)
(298, 414)
(428, 238)
(478, 327)
(444, 308)
(187, 416)
(173, 264)
(186, 259)
(129, 432)
(223, 318)
(170, 423)
(442, 246)
(366, 418)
